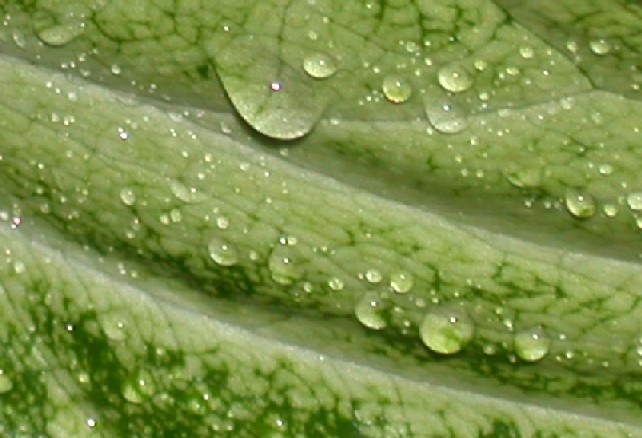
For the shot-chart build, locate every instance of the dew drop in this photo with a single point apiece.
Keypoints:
(526, 52)
(5, 383)
(369, 311)
(634, 201)
(138, 387)
(579, 204)
(271, 96)
(127, 196)
(396, 89)
(600, 47)
(446, 331)
(445, 117)
(113, 326)
(319, 65)
(373, 276)
(283, 269)
(454, 78)
(401, 282)
(610, 210)
(185, 194)
(335, 283)
(60, 34)
(532, 345)
(222, 252)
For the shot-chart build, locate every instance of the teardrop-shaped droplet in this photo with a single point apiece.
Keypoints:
(319, 65)
(579, 204)
(454, 78)
(369, 311)
(445, 117)
(274, 98)
(401, 282)
(222, 252)
(397, 89)
(446, 331)
(532, 345)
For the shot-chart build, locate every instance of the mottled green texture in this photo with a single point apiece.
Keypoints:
(174, 269)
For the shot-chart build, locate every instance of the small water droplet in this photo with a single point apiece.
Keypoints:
(113, 325)
(222, 222)
(401, 282)
(532, 345)
(397, 89)
(454, 78)
(526, 52)
(600, 47)
(525, 178)
(634, 201)
(271, 96)
(319, 65)
(373, 276)
(127, 196)
(579, 204)
(222, 252)
(445, 117)
(335, 283)
(369, 311)
(115, 69)
(185, 194)
(610, 210)
(446, 331)
(5, 383)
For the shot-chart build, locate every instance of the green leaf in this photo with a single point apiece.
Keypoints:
(320, 218)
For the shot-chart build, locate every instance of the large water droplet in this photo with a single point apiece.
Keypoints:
(445, 117)
(446, 331)
(579, 204)
(532, 345)
(401, 282)
(397, 89)
(282, 266)
(271, 96)
(319, 65)
(634, 201)
(128, 196)
(454, 78)
(600, 46)
(222, 252)
(369, 311)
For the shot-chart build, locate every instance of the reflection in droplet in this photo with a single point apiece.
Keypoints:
(579, 204)
(222, 252)
(532, 345)
(445, 117)
(319, 65)
(397, 89)
(271, 96)
(454, 78)
(446, 331)
(369, 311)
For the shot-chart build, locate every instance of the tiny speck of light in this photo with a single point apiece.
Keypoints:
(91, 422)
(276, 86)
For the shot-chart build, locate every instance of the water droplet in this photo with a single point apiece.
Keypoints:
(532, 345)
(335, 283)
(113, 326)
(373, 276)
(221, 252)
(581, 205)
(185, 194)
(222, 222)
(610, 210)
(271, 96)
(396, 89)
(401, 282)
(454, 78)
(128, 196)
(446, 331)
(526, 52)
(60, 34)
(319, 65)
(600, 47)
(5, 383)
(445, 118)
(634, 201)
(283, 269)
(525, 178)
(138, 387)
(369, 311)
